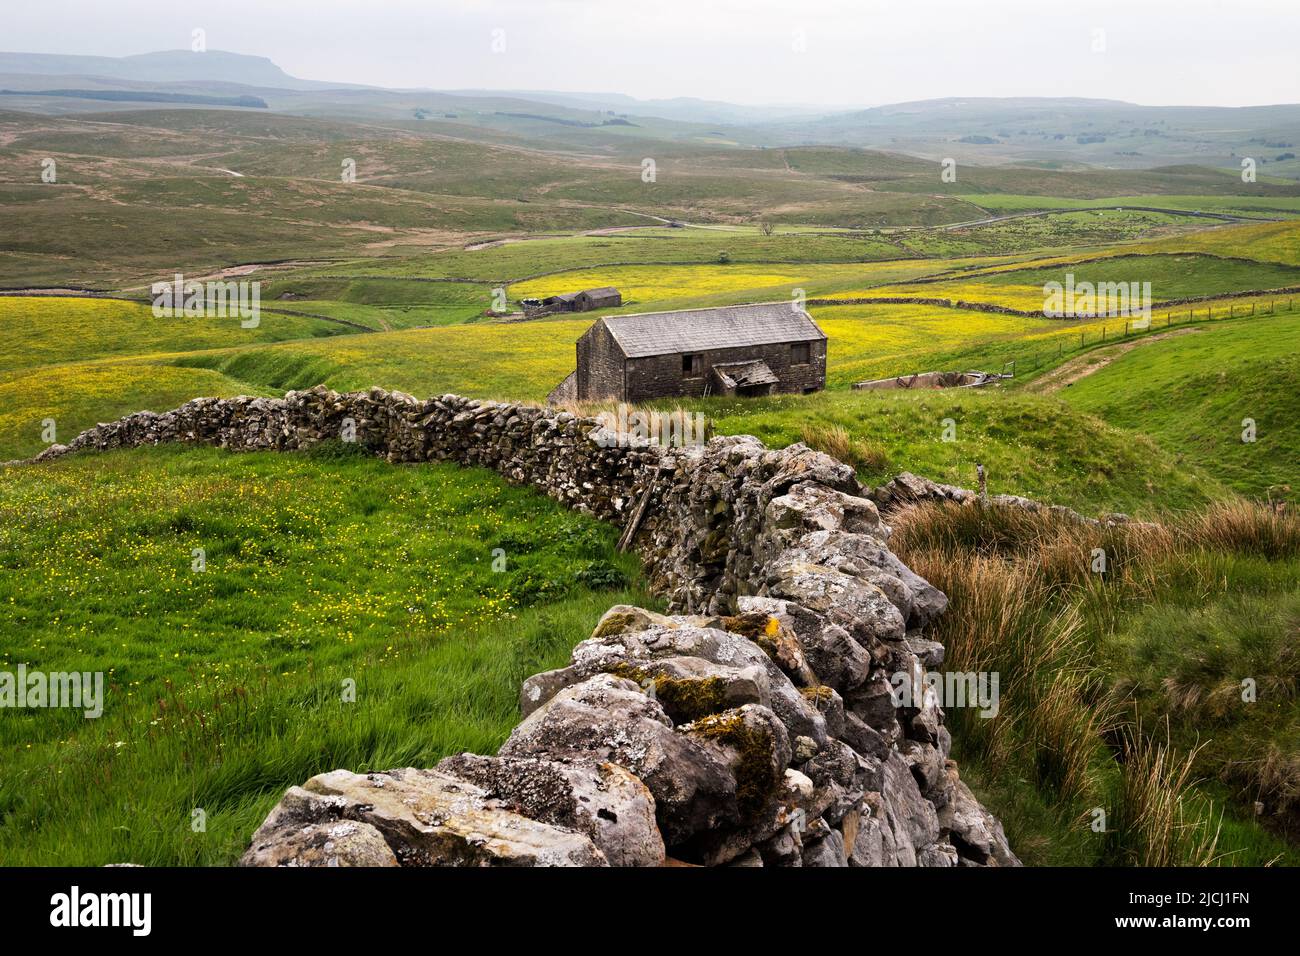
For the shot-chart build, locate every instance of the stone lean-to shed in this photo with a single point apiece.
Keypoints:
(587, 300)
(732, 350)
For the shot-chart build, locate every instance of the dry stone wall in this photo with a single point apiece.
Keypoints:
(756, 724)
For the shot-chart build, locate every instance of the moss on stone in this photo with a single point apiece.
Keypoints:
(757, 776)
(618, 623)
(691, 698)
(683, 698)
(752, 626)
(820, 696)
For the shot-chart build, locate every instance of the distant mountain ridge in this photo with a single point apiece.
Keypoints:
(184, 66)
(168, 66)
(220, 66)
(683, 108)
(1054, 132)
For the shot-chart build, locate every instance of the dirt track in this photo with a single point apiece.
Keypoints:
(1077, 368)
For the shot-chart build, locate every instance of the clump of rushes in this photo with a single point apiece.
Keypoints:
(836, 441)
(1192, 624)
(1246, 528)
(1153, 821)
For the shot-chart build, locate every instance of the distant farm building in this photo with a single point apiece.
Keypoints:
(585, 301)
(734, 350)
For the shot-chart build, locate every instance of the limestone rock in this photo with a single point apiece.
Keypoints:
(827, 851)
(864, 556)
(602, 800)
(815, 507)
(858, 606)
(909, 821)
(608, 718)
(744, 673)
(974, 831)
(285, 841)
(425, 818)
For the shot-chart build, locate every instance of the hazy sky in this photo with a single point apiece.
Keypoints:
(833, 52)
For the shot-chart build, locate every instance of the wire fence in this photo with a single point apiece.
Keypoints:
(1022, 362)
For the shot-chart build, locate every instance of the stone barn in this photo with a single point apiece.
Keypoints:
(585, 301)
(733, 350)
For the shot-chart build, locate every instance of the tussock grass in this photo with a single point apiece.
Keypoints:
(1246, 528)
(836, 441)
(1154, 822)
(1165, 633)
(999, 621)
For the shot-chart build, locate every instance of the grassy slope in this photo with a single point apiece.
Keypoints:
(224, 686)
(1172, 276)
(122, 175)
(1029, 446)
(1270, 206)
(1192, 393)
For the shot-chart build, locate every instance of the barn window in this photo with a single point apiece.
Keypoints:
(799, 353)
(692, 365)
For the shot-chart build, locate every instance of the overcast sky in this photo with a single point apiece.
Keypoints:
(831, 52)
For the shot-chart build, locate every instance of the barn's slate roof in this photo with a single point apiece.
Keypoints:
(604, 292)
(701, 330)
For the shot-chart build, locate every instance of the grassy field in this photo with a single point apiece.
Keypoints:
(225, 685)
(1049, 232)
(1172, 276)
(1028, 445)
(52, 331)
(686, 286)
(1265, 207)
